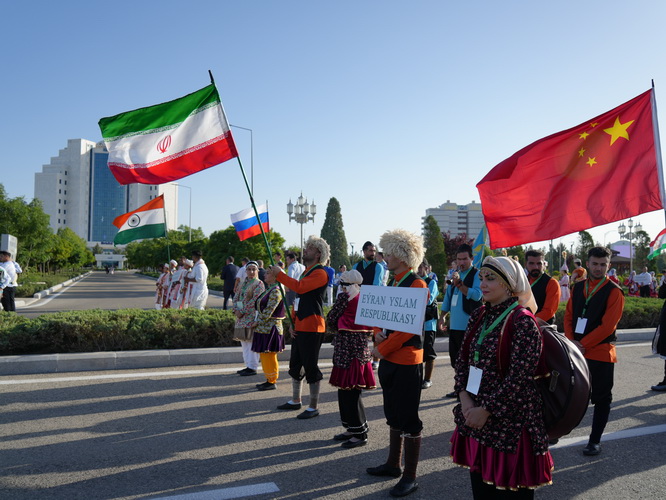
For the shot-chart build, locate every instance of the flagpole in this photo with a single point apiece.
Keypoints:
(166, 234)
(254, 207)
(657, 148)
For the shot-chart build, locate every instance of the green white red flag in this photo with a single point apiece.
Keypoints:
(658, 245)
(168, 141)
(147, 221)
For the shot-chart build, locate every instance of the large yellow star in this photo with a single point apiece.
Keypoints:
(591, 161)
(618, 130)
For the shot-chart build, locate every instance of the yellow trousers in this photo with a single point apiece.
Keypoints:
(270, 366)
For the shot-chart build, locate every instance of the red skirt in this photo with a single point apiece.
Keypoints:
(522, 469)
(357, 376)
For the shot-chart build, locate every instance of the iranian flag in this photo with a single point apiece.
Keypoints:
(658, 245)
(168, 141)
(145, 222)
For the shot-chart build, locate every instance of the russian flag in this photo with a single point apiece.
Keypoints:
(245, 222)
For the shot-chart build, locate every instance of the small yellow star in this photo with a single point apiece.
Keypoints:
(584, 135)
(581, 152)
(594, 124)
(618, 130)
(591, 161)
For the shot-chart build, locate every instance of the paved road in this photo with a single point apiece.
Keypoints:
(197, 432)
(99, 290)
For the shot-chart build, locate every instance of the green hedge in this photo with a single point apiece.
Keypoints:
(31, 282)
(136, 329)
(638, 313)
(122, 330)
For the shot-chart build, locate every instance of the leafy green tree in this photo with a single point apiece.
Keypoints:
(70, 250)
(334, 234)
(30, 224)
(224, 243)
(197, 234)
(517, 251)
(434, 244)
(451, 244)
(641, 251)
(585, 242)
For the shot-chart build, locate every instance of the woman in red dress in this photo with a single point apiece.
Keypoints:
(500, 432)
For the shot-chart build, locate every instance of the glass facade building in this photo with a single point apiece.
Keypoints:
(108, 199)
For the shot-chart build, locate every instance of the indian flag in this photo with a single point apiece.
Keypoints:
(658, 245)
(145, 222)
(168, 141)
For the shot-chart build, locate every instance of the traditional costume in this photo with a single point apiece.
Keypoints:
(510, 451)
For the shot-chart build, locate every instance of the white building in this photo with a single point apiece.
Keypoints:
(457, 219)
(78, 191)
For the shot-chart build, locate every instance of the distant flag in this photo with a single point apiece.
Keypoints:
(601, 171)
(480, 243)
(658, 245)
(245, 222)
(147, 221)
(168, 141)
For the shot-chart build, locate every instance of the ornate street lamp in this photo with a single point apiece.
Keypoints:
(302, 212)
(622, 229)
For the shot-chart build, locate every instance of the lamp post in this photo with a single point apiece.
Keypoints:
(190, 223)
(622, 229)
(302, 212)
(251, 156)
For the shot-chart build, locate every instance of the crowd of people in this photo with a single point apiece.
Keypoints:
(182, 284)
(500, 433)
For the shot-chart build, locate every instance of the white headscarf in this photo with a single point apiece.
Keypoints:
(513, 276)
(354, 277)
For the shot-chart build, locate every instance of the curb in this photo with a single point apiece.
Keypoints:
(133, 360)
(26, 301)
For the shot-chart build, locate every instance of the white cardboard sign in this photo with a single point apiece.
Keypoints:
(395, 308)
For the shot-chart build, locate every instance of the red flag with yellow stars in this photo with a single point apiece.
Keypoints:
(601, 171)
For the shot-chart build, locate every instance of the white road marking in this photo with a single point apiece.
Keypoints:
(135, 375)
(612, 436)
(228, 493)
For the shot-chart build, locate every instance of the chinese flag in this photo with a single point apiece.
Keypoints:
(601, 171)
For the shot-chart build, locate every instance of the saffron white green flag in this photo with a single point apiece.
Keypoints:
(658, 245)
(145, 222)
(168, 141)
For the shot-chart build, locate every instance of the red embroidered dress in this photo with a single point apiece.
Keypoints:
(511, 450)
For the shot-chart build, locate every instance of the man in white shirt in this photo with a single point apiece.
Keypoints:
(294, 270)
(199, 279)
(7, 281)
(644, 280)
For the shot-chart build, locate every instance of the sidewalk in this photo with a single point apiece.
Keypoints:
(133, 360)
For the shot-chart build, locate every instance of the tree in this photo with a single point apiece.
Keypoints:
(517, 251)
(70, 250)
(30, 224)
(334, 234)
(225, 243)
(434, 244)
(451, 245)
(97, 249)
(197, 234)
(585, 242)
(642, 250)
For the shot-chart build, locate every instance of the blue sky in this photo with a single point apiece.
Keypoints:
(391, 107)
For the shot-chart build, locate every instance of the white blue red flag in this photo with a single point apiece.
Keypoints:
(246, 224)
